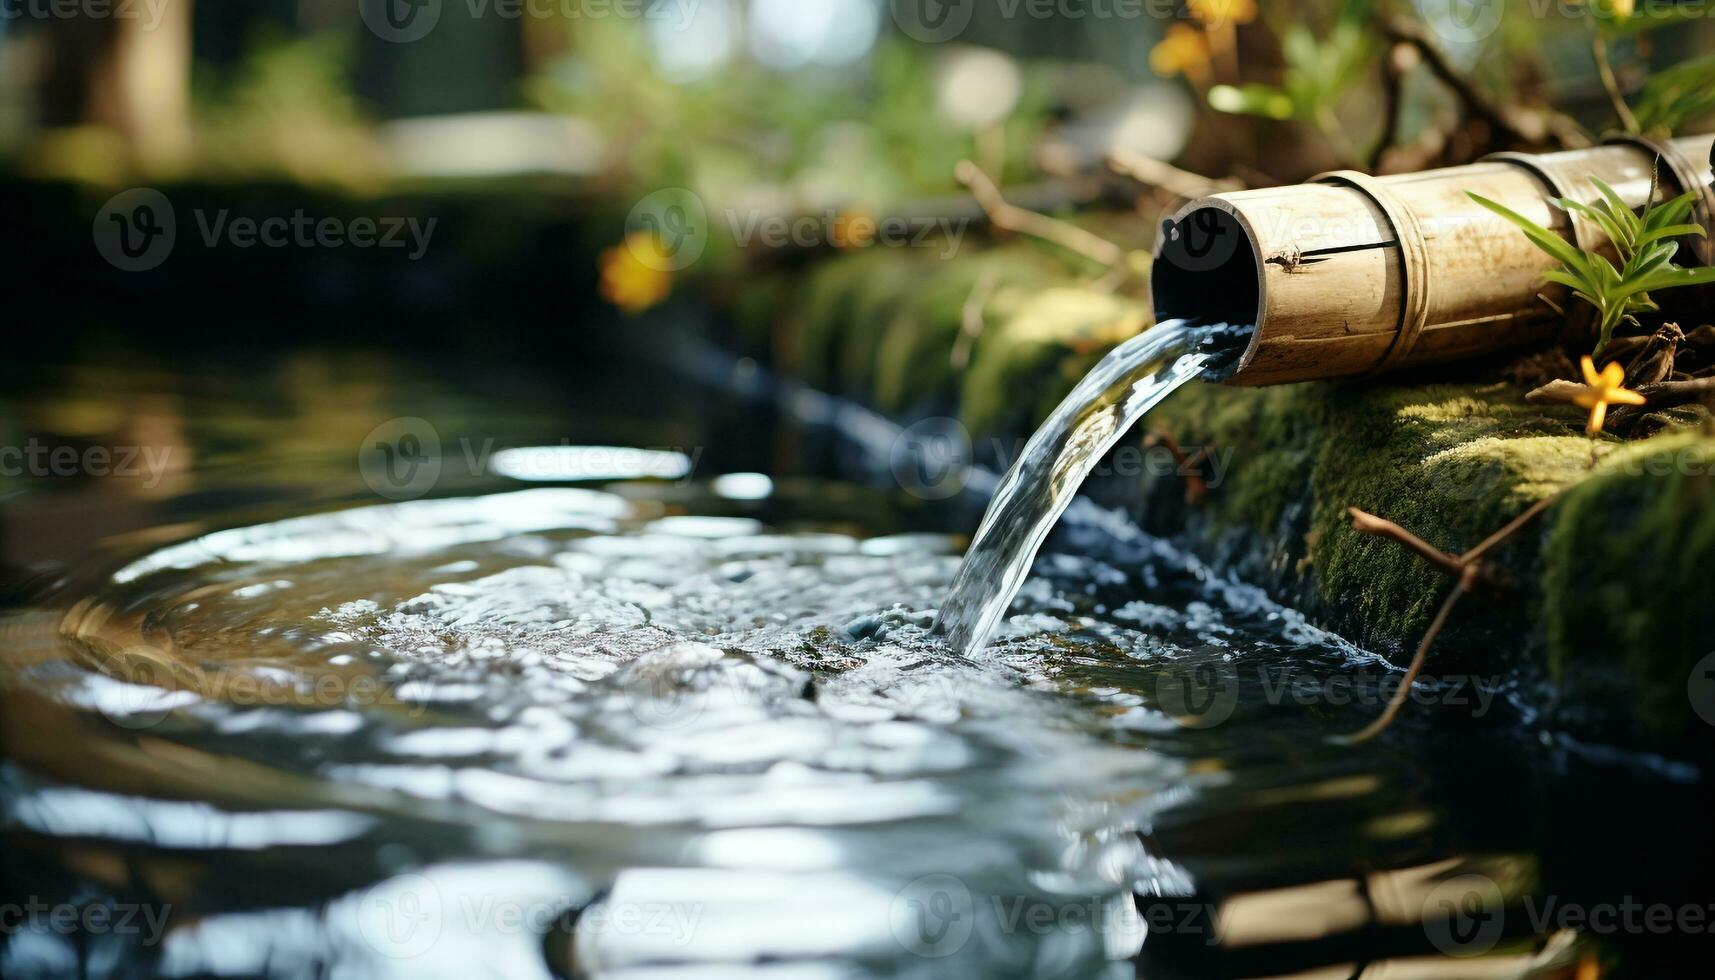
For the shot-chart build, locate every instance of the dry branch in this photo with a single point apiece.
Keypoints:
(1013, 218)
(1154, 173)
(1468, 570)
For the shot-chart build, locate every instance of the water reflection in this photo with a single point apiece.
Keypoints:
(665, 729)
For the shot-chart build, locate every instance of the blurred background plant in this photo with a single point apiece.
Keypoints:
(830, 111)
(833, 101)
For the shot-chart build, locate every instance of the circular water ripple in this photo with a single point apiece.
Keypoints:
(652, 735)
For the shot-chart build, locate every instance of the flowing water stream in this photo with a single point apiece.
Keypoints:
(276, 720)
(1040, 484)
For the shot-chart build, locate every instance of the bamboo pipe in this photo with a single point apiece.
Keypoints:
(1351, 274)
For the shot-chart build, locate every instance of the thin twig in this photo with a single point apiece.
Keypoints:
(1471, 557)
(1399, 59)
(1190, 464)
(1012, 218)
(1468, 570)
(1397, 702)
(1605, 71)
(971, 322)
(1154, 173)
(1501, 122)
(1367, 523)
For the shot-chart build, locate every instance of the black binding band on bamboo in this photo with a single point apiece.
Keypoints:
(1413, 263)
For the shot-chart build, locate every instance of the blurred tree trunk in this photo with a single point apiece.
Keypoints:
(129, 74)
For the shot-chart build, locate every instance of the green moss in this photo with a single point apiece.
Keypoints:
(913, 361)
(1014, 368)
(1615, 587)
(1450, 463)
(1262, 442)
(831, 304)
(1615, 592)
(1629, 579)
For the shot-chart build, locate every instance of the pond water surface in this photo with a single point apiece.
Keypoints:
(296, 708)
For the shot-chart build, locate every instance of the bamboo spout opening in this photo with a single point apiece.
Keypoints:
(1207, 269)
(1352, 275)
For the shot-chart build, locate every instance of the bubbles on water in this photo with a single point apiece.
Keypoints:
(569, 681)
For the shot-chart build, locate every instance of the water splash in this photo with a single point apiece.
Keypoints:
(1040, 484)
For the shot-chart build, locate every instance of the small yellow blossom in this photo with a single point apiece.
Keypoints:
(1216, 13)
(1619, 9)
(1602, 389)
(634, 273)
(853, 229)
(1183, 50)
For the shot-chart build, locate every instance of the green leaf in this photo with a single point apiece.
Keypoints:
(1669, 277)
(1670, 232)
(1616, 232)
(1670, 212)
(1556, 247)
(1621, 213)
(1252, 100)
(1566, 279)
(1677, 95)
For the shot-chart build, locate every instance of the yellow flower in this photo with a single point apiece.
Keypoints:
(853, 229)
(1219, 12)
(635, 274)
(1601, 390)
(1619, 9)
(1183, 50)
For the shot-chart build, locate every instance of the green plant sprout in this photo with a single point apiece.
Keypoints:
(1645, 244)
(1677, 95)
(1317, 74)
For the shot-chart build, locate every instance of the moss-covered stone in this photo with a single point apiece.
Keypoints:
(1012, 381)
(1629, 582)
(1613, 586)
(1613, 597)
